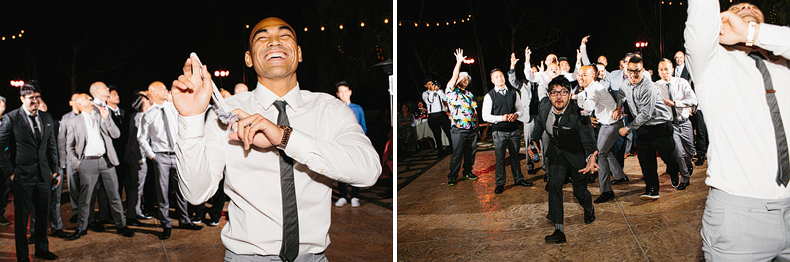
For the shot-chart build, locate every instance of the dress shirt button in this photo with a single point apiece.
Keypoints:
(185, 127)
(321, 171)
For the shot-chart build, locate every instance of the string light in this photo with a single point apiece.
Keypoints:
(386, 20)
(322, 28)
(14, 36)
(305, 29)
(437, 23)
(362, 24)
(341, 27)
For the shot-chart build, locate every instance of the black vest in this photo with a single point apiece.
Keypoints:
(501, 105)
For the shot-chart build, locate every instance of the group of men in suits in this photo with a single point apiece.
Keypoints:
(96, 148)
(578, 124)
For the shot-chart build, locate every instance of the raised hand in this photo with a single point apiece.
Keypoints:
(527, 54)
(578, 56)
(103, 112)
(459, 55)
(256, 130)
(734, 29)
(584, 40)
(540, 67)
(192, 91)
(513, 60)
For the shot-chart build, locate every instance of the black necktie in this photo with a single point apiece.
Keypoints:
(672, 108)
(35, 128)
(556, 126)
(290, 247)
(167, 129)
(783, 173)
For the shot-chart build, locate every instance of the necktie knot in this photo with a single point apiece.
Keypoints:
(280, 105)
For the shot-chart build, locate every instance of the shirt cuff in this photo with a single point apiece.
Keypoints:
(191, 126)
(299, 146)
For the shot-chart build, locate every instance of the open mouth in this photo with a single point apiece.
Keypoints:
(275, 55)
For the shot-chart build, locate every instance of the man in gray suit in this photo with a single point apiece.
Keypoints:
(91, 151)
(70, 171)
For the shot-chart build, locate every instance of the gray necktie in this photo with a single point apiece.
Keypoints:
(167, 129)
(673, 108)
(290, 247)
(783, 174)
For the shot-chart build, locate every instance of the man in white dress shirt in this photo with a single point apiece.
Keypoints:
(747, 213)
(596, 99)
(157, 136)
(438, 120)
(676, 93)
(279, 125)
(502, 107)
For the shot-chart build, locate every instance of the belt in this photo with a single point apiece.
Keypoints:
(94, 157)
(166, 153)
(438, 113)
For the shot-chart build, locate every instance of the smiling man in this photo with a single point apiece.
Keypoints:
(289, 146)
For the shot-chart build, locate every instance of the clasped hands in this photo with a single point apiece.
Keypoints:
(192, 93)
(509, 117)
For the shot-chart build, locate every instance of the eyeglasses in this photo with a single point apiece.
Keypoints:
(558, 93)
(34, 97)
(637, 71)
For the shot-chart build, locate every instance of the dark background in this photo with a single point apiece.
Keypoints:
(67, 45)
(497, 28)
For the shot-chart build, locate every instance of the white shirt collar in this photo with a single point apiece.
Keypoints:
(266, 97)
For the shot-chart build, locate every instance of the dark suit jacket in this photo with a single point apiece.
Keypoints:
(685, 74)
(122, 122)
(576, 138)
(132, 152)
(31, 161)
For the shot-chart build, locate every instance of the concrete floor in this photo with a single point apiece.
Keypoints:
(468, 222)
(357, 234)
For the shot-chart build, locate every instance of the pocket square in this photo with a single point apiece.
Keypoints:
(566, 128)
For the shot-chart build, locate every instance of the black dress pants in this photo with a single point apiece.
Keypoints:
(29, 195)
(559, 168)
(651, 140)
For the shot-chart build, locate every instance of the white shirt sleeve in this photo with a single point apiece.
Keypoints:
(487, 116)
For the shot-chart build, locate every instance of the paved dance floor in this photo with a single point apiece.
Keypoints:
(468, 222)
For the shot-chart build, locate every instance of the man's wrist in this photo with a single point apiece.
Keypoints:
(285, 137)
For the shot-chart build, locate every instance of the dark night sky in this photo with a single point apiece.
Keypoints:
(552, 27)
(130, 44)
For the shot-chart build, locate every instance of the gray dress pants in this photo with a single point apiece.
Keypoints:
(167, 176)
(92, 172)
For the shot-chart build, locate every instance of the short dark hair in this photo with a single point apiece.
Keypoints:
(637, 60)
(494, 70)
(341, 83)
(112, 88)
(427, 79)
(30, 87)
(628, 55)
(560, 81)
(562, 58)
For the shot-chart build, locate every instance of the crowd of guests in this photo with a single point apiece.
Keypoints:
(585, 119)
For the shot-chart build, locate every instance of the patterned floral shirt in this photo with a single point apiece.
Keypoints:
(462, 108)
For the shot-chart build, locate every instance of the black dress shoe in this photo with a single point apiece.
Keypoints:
(499, 189)
(190, 226)
(106, 222)
(683, 185)
(77, 234)
(524, 183)
(700, 160)
(59, 233)
(605, 196)
(30, 240)
(46, 255)
(619, 181)
(556, 237)
(674, 180)
(125, 231)
(98, 227)
(73, 219)
(589, 217)
(165, 233)
(4, 221)
(532, 171)
(133, 222)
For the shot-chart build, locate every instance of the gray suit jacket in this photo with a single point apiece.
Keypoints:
(62, 130)
(77, 138)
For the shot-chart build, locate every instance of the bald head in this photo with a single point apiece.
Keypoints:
(586, 75)
(680, 57)
(158, 92)
(240, 87)
(100, 91)
(83, 103)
